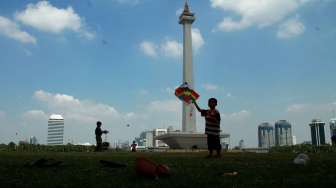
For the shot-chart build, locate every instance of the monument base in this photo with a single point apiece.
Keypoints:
(182, 140)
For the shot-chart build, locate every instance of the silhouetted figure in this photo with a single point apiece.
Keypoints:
(212, 126)
(333, 140)
(133, 146)
(99, 134)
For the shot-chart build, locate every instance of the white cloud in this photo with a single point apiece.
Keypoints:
(197, 39)
(314, 109)
(148, 48)
(10, 29)
(165, 106)
(210, 87)
(236, 116)
(131, 2)
(2, 115)
(169, 90)
(295, 108)
(81, 115)
(45, 17)
(179, 11)
(35, 115)
(260, 13)
(290, 28)
(172, 48)
(27, 52)
(144, 92)
(72, 108)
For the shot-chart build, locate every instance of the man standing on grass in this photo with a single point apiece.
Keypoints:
(333, 140)
(99, 134)
(212, 126)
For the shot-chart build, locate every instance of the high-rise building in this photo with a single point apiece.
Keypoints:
(332, 124)
(294, 140)
(283, 133)
(55, 130)
(241, 144)
(33, 140)
(317, 132)
(265, 135)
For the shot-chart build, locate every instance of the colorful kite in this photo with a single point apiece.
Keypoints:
(186, 94)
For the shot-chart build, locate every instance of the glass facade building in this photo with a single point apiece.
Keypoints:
(317, 132)
(332, 124)
(55, 130)
(265, 135)
(283, 133)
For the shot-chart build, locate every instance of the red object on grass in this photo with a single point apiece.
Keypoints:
(145, 167)
(162, 170)
(148, 168)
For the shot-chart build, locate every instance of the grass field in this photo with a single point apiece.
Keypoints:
(189, 170)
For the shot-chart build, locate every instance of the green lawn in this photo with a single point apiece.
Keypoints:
(189, 170)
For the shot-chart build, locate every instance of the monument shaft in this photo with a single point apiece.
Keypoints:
(188, 111)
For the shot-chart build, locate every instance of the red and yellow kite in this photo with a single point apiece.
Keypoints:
(186, 94)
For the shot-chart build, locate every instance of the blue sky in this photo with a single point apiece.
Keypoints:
(119, 61)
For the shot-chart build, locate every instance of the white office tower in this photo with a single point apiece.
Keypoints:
(55, 130)
(294, 140)
(33, 140)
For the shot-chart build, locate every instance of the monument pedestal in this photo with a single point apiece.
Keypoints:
(184, 140)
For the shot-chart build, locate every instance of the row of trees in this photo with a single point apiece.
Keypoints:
(304, 148)
(25, 147)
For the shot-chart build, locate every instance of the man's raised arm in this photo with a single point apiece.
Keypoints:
(196, 105)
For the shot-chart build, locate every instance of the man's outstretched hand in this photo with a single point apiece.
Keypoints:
(196, 105)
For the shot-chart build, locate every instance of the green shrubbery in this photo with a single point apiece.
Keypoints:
(304, 148)
(24, 147)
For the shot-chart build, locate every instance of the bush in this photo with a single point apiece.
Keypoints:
(304, 148)
(25, 147)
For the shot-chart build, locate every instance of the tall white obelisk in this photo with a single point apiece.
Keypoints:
(188, 114)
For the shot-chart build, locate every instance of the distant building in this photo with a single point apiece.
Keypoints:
(332, 124)
(170, 129)
(294, 140)
(23, 142)
(33, 140)
(149, 140)
(317, 132)
(241, 144)
(306, 143)
(55, 130)
(158, 132)
(146, 138)
(265, 135)
(283, 133)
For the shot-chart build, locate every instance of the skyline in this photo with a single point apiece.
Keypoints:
(119, 61)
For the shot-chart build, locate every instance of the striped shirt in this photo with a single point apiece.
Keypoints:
(212, 121)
